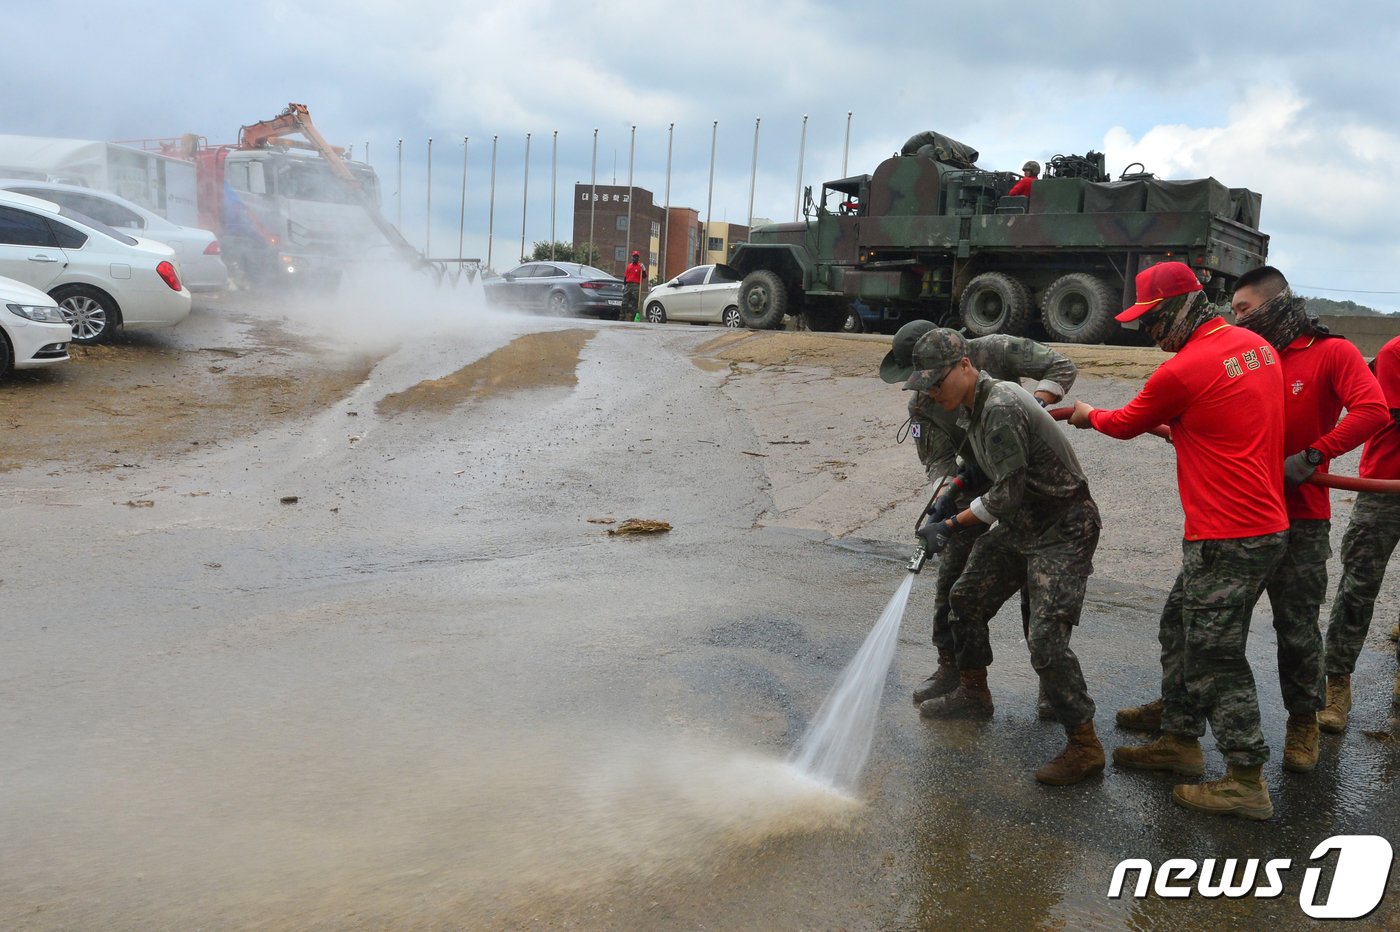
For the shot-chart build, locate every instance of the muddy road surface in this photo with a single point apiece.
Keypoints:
(310, 628)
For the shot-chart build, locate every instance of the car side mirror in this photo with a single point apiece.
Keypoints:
(507, 276)
(674, 283)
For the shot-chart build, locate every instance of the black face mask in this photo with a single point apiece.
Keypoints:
(1171, 323)
(1281, 319)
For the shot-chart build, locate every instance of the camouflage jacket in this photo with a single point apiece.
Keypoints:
(1030, 464)
(937, 436)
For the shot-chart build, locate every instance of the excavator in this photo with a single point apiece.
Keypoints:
(286, 209)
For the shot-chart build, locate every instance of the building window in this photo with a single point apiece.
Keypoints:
(655, 228)
(653, 258)
(716, 244)
(622, 221)
(620, 254)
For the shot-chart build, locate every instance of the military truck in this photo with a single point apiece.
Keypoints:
(931, 235)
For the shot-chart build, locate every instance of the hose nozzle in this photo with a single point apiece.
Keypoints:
(917, 561)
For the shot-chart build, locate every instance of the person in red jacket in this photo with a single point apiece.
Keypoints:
(1369, 541)
(1222, 396)
(1322, 375)
(1022, 188)
(632, 278)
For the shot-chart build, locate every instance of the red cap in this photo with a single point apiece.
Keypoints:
(635, 255)
(1157, 283)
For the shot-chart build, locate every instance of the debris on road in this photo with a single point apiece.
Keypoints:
(289, 499)
(602, 520)
(640, 526)
(138, 503)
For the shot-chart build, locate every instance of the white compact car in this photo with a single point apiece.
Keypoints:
(201, 264)
(33, 331)
(706, 294)
(102, 279)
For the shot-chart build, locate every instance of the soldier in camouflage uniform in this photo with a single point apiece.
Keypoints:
(1222, 395)
(1047, 528)
(938, 439)
(1369, 541)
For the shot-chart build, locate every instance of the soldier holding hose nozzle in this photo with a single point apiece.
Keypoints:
(938, 439)
(1047, 528)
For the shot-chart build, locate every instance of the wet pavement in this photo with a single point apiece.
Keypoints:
(432, 693)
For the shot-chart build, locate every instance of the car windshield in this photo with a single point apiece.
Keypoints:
(724, 273)
(97, 225)
(588, 271)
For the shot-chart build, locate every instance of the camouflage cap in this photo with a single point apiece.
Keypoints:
(936, 353)
(898, 363)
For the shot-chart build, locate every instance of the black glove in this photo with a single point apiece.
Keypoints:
(944, 507)
(1298, 467)
(970, 474)
(936, 534)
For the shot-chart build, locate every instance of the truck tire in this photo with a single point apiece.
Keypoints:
(1079, 308)
(994, 302)
(763, 300)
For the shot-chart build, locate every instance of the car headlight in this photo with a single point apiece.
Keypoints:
(38, 312)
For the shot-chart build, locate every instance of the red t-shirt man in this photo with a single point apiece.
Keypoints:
(1381, 458)
(635, 271)
(1222, 396)
(1321, 377)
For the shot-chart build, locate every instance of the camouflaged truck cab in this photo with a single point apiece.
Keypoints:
(931, 235)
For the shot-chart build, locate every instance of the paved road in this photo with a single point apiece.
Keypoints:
(431, 693)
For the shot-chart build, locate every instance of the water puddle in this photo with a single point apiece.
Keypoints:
(535, 360)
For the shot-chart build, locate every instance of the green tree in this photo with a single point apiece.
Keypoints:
(564, 252)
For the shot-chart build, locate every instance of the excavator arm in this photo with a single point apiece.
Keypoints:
(296, 119)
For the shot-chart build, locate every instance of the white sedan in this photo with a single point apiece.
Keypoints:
(33, 331)
(706, 294)
(102, 279)
(201, 265)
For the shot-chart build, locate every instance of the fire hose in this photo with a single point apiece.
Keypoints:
(1327, 480)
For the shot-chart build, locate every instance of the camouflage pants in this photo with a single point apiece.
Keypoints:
(1296, 590)
(1369, 540)
(1204, 627)
(630, 293)
(1052, 567)
(950, 566)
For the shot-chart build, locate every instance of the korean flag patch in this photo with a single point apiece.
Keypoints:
(916, 430)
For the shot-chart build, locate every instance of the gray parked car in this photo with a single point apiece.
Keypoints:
(557, 288)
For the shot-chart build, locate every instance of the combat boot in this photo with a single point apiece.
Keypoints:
(1300, 743)
(1179, 754)
(1082, 757)
(943, 681)
(1395, 631)
(1141, 717)
(1242, 792)
(1044, 709)
(971, 700)
(1333, 719)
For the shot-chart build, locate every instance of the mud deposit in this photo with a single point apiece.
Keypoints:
(536, 360)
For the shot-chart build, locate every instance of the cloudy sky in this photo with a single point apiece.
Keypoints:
(1295, 100)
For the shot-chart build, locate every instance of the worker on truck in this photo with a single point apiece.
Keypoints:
(1031, 173)
(938, 438)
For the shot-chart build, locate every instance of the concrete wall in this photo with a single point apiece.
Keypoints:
(1368, 333)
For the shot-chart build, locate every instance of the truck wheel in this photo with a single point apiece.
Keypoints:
(763, 300)
(994, 302)
(1079, 308)
(853, 323)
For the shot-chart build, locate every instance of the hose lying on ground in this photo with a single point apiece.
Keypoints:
(1328, 480)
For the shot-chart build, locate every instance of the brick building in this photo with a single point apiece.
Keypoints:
(686, 244)
(610, 233)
